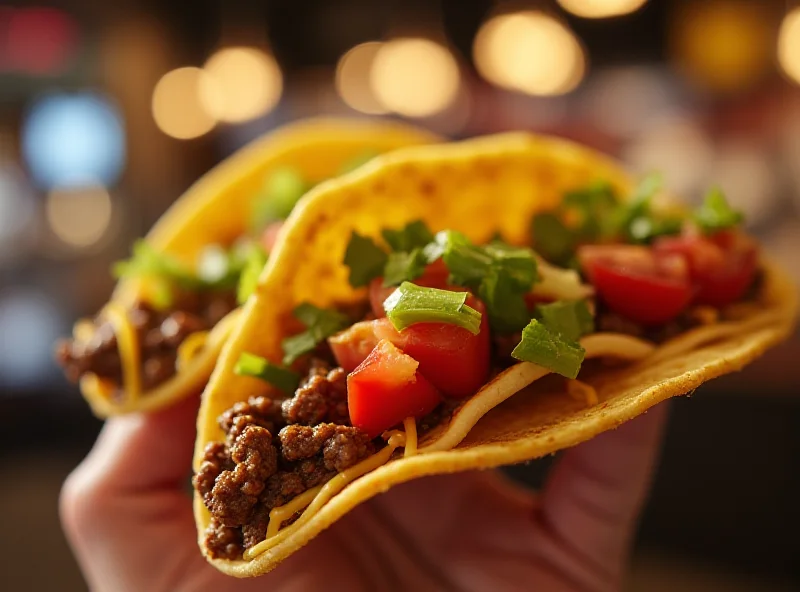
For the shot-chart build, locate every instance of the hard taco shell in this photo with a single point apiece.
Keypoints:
(478, 187)
(216, 209)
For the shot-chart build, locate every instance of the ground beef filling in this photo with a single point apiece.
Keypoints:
(274, 451)
(159, 333)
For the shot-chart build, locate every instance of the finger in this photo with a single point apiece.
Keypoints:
(592, 499)
(125, 508)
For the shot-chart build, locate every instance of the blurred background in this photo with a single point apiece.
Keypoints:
(109, 110)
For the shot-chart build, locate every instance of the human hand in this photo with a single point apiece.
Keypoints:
(129, 520)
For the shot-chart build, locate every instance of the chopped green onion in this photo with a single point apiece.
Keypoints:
(549, 348)
(365, 259)
(411, 304)
(413, 235)
(716, 214)
(258, 367)
(570, 318)
(505, 304)
(403, 267)
(254, 263)
(320, 324)
(283, 188)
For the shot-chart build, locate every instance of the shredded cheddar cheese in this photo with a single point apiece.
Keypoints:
(410, 427)
(582, 391)
(281, 514)
(94, 384)
(190, 347)
(396, 439)
(705, 315)
(128, 349)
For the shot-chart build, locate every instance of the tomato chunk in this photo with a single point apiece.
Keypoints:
(636, 282)
(352, 346)
(454, 360)
(722, 267)
(387, 388)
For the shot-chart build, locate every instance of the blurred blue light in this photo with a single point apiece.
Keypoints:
(29, 324)
(71, 139)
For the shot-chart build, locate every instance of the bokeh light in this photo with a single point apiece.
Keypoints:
(17, 211)
(415, 77)
(177, 108)
(79, 216)
(242, 83)
(601, 8)
(29, 324)
(530, 52)
(68, 138)
(40, 40)
(723, 45)
(353, 78)
(789, 45)
(679, 149)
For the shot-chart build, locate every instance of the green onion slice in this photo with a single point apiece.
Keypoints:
(411, 304)
(258, 367)
(549, 348)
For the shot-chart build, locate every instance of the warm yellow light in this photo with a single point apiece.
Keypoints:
(242, 84)
(601, 8)
(176, 104)
(414, 77)
(79, 216)
(353, 78)
(530, 52)
(789, 45)
(724, 45)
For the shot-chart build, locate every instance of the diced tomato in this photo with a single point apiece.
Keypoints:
(454, 360)
(352, 346)
(634, 281)
(270, 234)
(435, 276)
(387, 388)
(721, 266)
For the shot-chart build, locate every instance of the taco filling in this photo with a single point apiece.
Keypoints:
(127, 351)
(443, 320)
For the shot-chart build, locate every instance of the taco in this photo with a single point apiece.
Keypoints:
(178, 296)
(457, 307)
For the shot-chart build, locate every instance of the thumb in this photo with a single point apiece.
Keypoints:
(126, 509)
(593, 497)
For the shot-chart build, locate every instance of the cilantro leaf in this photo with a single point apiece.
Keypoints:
(320, 324)
(411, 236)
(403, 266)
(505, 304)
(365, 259)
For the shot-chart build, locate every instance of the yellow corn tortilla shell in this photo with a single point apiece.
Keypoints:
(478, 187)
(217, 208)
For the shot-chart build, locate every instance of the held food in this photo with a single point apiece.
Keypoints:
(458, 307)
(179, 295)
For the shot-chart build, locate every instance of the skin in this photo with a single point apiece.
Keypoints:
(128, 518)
